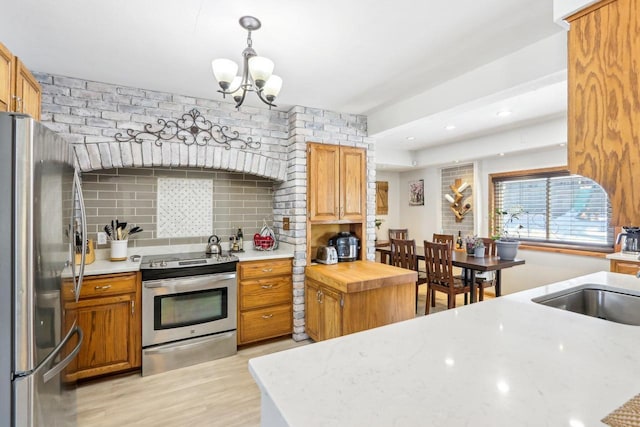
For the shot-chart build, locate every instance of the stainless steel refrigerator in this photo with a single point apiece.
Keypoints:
(41, 216)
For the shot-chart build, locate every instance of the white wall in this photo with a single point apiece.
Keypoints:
(541, 267)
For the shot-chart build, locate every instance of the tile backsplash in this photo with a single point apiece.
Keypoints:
(131, 195)
(185, 207)
(448, 177)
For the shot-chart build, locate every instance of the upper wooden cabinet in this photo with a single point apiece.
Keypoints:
(336, 183)
(19, 90)
(604, 102)
(6, 78)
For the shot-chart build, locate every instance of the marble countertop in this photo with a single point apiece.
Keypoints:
(505, 361)
(102, 264)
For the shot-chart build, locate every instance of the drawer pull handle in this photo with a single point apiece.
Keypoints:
(267, 286)
(267, 270)
(267, 316)
(102, 288)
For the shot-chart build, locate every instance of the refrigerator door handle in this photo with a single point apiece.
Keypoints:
(54, 371)
(83, 220)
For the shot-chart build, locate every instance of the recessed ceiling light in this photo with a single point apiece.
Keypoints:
(411, 138)
(456, 161)
(501, 154)
(503, 113)
(562, 144)
(450, 127)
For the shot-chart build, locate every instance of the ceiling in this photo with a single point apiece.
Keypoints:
(352, 56)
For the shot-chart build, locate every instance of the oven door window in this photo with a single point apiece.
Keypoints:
(189, 308)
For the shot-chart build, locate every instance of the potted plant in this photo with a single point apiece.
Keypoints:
(507, 244)
(378, 223)
(478, 249)
(474, 245)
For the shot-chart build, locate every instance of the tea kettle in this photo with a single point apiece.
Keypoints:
(214, 247)
(631, 240)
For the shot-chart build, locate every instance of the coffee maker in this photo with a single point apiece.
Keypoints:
(631, 244)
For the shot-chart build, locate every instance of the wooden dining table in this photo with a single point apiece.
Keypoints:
(469, 262)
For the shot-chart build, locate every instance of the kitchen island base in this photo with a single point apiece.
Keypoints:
(351, 297)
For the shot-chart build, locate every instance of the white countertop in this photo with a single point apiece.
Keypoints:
(502, 362)
(624, 257)
(102, 265)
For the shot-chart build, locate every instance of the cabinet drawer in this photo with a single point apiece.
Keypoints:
(260, 324)
(260, 269)
(95, 286)
(263, 292)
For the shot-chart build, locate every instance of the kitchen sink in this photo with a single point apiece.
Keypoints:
(614, 305)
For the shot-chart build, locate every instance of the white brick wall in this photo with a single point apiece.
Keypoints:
(89, 114)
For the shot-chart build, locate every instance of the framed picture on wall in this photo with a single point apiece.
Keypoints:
(416, 193)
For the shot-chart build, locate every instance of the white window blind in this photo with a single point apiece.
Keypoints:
(553, 208)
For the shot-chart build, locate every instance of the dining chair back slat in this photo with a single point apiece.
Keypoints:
(403, 254)
(443, 238)
(398, 233)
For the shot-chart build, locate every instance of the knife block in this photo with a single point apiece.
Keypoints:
(91, 254)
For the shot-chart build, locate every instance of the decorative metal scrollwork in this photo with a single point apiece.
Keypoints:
(191, 129)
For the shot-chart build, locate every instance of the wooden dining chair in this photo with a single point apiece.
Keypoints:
(403, 255)
(440, 274)
(398, 233)
(486, 279)
(442, 238)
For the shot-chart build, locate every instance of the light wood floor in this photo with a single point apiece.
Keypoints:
(218, 393)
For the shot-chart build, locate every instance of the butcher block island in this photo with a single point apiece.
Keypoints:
(349, 297)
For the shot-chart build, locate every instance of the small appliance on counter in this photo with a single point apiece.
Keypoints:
(347, 246)
(327, 255)
(631, 244)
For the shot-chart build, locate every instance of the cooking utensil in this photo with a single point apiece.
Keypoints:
(132, 230)
(109, 231)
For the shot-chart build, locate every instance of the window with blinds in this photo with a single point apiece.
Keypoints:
(554, 209)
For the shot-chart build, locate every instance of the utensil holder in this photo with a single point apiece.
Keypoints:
(119, 250)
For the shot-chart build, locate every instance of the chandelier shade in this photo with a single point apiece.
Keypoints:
(256, 74)
(224, 71)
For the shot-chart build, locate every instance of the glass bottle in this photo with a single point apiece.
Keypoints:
(239, 237)
(459, 241)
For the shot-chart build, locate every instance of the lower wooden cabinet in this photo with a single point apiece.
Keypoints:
(323, 307)
(355, 296)
(625, 267)
(265, 299)
(109, 314)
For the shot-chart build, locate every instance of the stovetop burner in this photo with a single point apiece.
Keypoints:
(181, 260)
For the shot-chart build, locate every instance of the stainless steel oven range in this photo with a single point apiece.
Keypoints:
(188, 309)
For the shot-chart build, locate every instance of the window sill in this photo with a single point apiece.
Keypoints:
(566, 251)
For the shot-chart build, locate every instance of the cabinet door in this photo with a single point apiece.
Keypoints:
(603, 104)
(6, 78)
(110, 335)
(323, 185)
(331, 314)
(353, 187)
(312, 309)
(27, 92)
(625, 267)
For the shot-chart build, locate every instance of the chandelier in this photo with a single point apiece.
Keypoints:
(256, 72)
